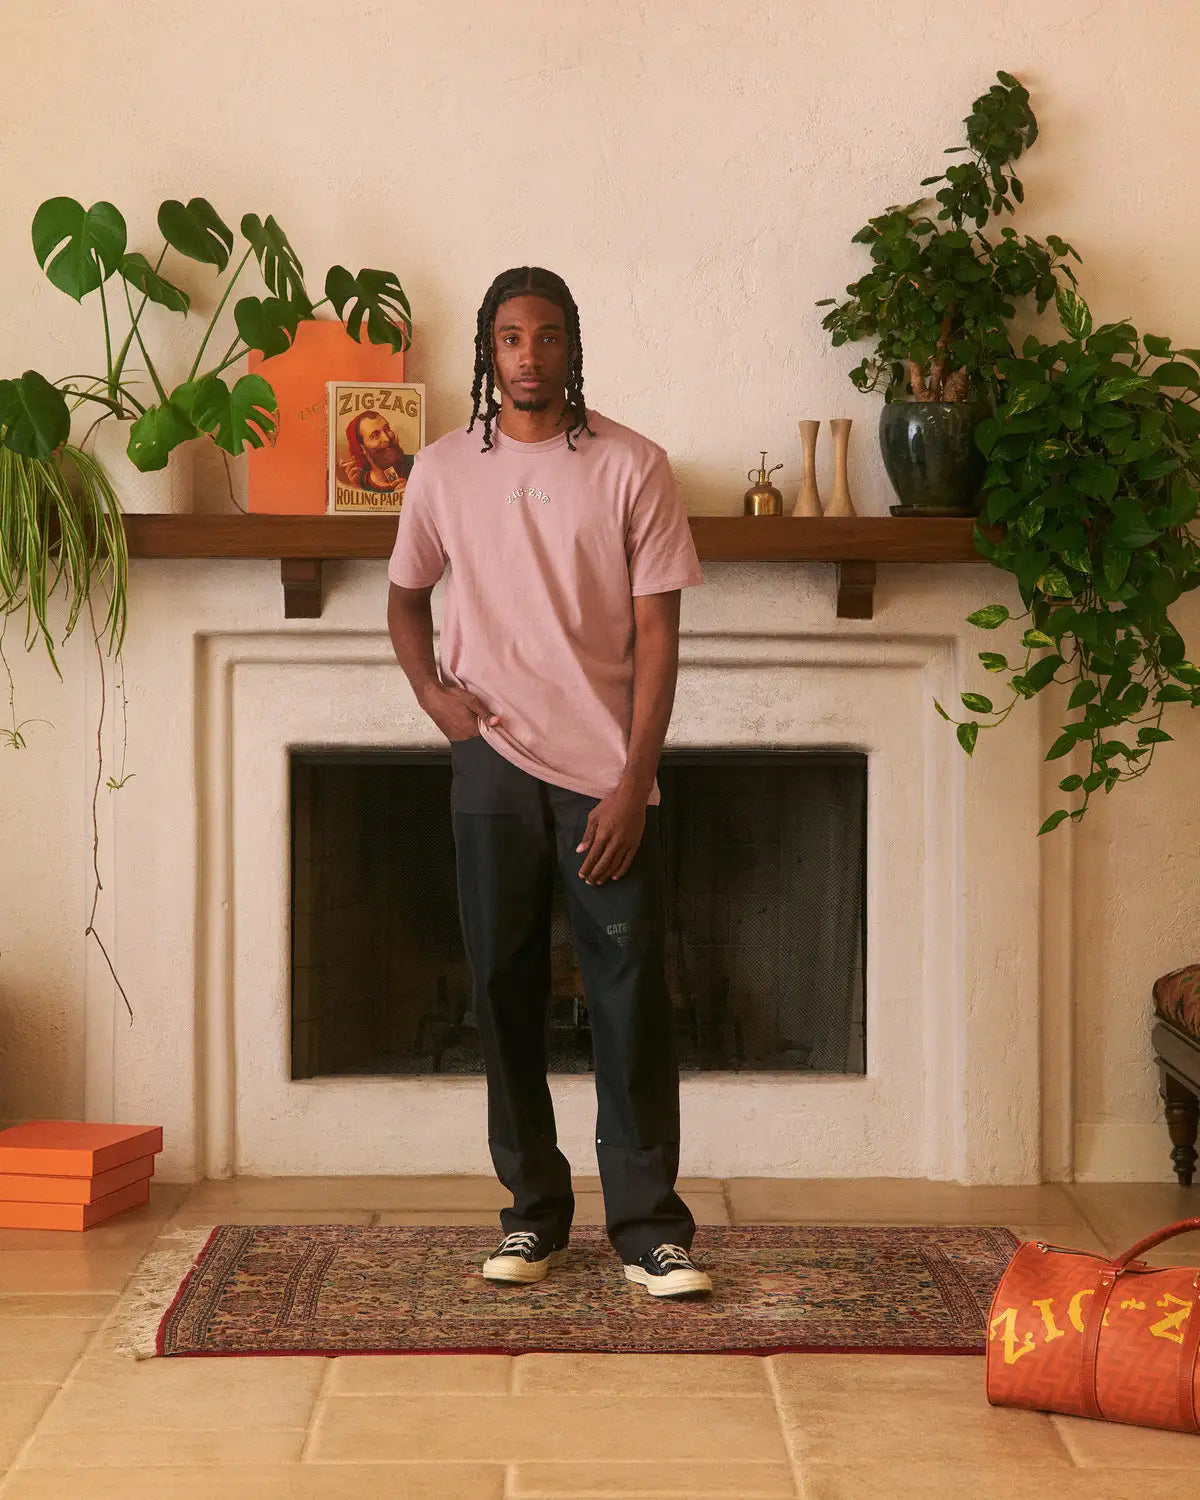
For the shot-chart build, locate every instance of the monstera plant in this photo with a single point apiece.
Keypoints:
(87, 250)
(61, 531)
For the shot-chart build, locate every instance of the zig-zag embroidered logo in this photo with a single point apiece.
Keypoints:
(527, 494)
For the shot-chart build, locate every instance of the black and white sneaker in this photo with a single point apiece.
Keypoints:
(524, 1256)
(667, 1271)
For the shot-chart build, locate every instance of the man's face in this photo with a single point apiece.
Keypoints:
(379, 441)
(530, 353)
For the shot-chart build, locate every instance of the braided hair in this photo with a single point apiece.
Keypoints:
(523, 281)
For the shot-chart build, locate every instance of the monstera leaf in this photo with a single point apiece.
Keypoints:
(378, 297)
(196, 230)
(280, 265)
(267, 323)
(245, 414)
(155, 433)
(34, 417)
(92, 241)
(142, 276)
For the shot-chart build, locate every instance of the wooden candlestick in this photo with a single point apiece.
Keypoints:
(808, 501)
(840, 504)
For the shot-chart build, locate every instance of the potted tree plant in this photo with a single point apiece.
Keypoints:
(938, 301)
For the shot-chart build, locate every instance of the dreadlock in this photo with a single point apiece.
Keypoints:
(523, 281)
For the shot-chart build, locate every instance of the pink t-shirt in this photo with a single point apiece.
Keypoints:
(546, 549)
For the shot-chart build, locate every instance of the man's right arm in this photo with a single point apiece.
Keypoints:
(410, 625)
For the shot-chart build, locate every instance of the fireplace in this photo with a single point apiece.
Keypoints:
(765, 859)
(947, 1080)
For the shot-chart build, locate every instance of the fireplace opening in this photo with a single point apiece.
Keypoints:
(765, 857)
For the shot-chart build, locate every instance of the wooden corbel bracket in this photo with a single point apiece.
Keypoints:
(301, 578)
(856, 590)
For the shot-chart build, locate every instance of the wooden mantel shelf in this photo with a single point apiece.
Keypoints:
(301, 543)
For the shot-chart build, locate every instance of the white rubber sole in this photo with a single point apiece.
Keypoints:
(513, 1269)
(679, 1283)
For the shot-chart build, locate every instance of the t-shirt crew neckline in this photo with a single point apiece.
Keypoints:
(514, 445)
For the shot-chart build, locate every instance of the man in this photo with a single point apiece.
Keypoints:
(567, 545)
(377, 461)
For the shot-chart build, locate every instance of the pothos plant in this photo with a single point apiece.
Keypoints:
(86, 250)
(940, 295)
(1092, 483)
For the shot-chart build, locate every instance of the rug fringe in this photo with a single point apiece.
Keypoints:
(132, 1326)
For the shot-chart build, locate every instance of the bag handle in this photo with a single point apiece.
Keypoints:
(1189, 1352)
(1184, 1226)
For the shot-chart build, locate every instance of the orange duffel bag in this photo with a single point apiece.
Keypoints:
(1072, 1332)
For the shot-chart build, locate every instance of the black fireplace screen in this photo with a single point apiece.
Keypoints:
(765, 855)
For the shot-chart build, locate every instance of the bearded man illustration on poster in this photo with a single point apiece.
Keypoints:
(375, 431)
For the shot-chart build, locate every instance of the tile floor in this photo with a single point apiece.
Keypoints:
(79, 1421)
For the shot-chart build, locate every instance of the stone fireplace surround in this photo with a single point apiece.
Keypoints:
(963, 1060)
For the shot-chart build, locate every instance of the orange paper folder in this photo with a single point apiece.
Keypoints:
(288, 477)
(16, 1187)
(74, 1215)
(70, 1148)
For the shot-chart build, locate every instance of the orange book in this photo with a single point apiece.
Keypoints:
(288, 476)
(71, 1148)
(31, 1188)
(74, 1215)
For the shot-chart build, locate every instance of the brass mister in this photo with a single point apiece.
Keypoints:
(762, 498)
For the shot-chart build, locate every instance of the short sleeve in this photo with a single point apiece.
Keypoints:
(418, 558)
(658, 542)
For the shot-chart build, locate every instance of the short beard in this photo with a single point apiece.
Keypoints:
(543, 405)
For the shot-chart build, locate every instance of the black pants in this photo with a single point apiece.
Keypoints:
(508, 828)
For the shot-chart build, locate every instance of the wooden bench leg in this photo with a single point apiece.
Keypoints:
(1183, 1117)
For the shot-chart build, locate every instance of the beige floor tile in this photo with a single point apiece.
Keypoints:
(939, 1432)
(707, 1208)
(1188, 1254)
(959, 1479)
(369, 1194)
(765, 1200)
(414, 1481)
(201, 1218)
(110, 1394)
(737, 1481)
(69, 1305)
(432, 1216)
(842, 1382)
(647, 1374)
(43, 1349)
(1110, 1445)
(21, 1407)
(511, 1429)
(1123, 1212)
(71, 1269)
(387, 1374)
(133, 1229)
(155, 1447)
(684, 1185)
(1071, 1236)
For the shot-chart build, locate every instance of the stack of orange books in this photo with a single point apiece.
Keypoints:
(63, 1174)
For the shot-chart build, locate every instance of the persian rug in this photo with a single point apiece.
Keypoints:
(345, 1289)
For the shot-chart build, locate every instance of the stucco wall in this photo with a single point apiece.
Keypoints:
(696, 171)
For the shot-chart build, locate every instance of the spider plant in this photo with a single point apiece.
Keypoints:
(60, 529)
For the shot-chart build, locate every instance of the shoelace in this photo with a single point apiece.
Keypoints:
(672, 1257)
(518, 1242)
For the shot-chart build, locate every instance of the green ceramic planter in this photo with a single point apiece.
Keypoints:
(930, 456)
